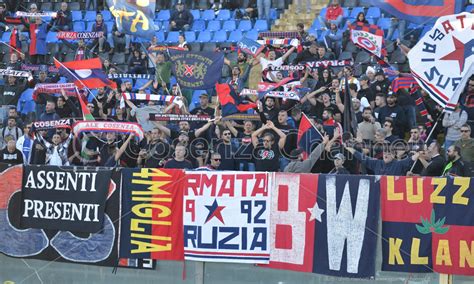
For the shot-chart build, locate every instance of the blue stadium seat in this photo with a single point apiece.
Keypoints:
(6, 36)
(273, 14)
(204, 36)
(199, 25)
(252, 34)
(78, 26)
(261, 25)
(245, 25)
(51, 37)
(90, 16)
(213, 25)
(165, 25)
(196, 14)
(26, 104)
(208, 15)
(163, 15)
(469, 8)
(160, 36)
(139, 83)
(323, 12)
(384, 23)
(345, 12)
(355, 11)
(235, 36)
(172, 37)
(223, 15)
(107, 15)
(190, 36)
(89, 26)
(229, 25)
(373, 13)
(110, 26)
(219, 36)
(76, 15)
(316, 25)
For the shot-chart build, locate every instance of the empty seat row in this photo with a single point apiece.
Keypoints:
(206, 36)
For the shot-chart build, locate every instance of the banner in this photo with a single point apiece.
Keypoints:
(250, 47)
(85, 73)
(69, 89)
(130, 76)
(150, 97)
(56, 198)
(283, 41)
(419, 11)
(291, 95)
(197, 70)
(37, 14)
(178, 117)
(15, 73)
(427, 224)
(52, 245)
(134, 18)
(78, 35)
(109, 126)
(51, 124)
(226, 216)
(32, 67)
(152, 216)
(442, 60)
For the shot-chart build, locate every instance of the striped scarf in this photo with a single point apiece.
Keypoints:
(149, 97)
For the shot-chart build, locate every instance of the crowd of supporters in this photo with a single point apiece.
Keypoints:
(391, 138)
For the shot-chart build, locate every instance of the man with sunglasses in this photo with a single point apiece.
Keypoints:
(466, 144)
(226, 151)
(267, 154)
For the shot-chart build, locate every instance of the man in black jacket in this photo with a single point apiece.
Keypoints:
(434, 167)
(181, 19)
(63, 20)
(456, 166)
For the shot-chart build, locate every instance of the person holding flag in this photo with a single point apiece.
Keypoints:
(299, 165)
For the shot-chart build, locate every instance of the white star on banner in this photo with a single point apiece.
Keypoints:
(316, 212)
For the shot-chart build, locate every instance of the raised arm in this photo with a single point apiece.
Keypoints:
(231, 127)
(122, 148)
(162, 128)
(282, 140)
(257, 133)
(288, 53)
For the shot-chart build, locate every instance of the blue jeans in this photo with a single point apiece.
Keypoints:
(93, 2)
(264, 5)
(283, 163)
(394, 23)
(247, 167)
(410, 113)
(323, 22)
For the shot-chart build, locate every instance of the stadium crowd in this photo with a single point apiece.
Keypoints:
(391, 137)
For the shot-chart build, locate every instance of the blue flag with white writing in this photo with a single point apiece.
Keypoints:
(347, 212)
(250, 47)
(197, 70)
(134, 17)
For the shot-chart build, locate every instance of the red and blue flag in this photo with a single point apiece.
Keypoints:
(419, 11)
(308, 136)
(85, 73)
(230, 101)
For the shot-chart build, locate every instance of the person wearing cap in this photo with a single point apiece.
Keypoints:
(395, 112)
(181, 19)
(388, 165)
(365, 91)
(202, 109)
(339, 169)
(381, 84)
(299, 165)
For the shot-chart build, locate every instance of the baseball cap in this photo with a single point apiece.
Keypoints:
(295, 153)
(339, 156)
(203, 95)
(379, 72)
(364, 77)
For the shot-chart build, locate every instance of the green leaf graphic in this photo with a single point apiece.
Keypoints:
(442, 230)
(422, 230)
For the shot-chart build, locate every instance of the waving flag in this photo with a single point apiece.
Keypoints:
(370, 38)
(403, 83)
(308, 136)
(134, 17)
(231, 102)
(419, 11)
(250, 46)
(442, 60)
(86, 73)
(197, 70)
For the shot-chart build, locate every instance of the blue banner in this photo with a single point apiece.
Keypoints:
(197, 70)
(134, 17)
(249, 46)
(346, 232)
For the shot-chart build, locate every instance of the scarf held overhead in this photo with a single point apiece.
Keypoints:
(108, 126)
(157, 98)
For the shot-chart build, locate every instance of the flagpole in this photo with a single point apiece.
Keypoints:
(90, 92)
(13, 48)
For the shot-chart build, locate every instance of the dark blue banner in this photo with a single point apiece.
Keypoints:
(345, 231)
(197, 70)
(250, 46)
(134, 17)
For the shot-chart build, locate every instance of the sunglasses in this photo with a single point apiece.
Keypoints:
(414, 132)
(267, 140)
(217, 160)
(226, 134)
(465, 130)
